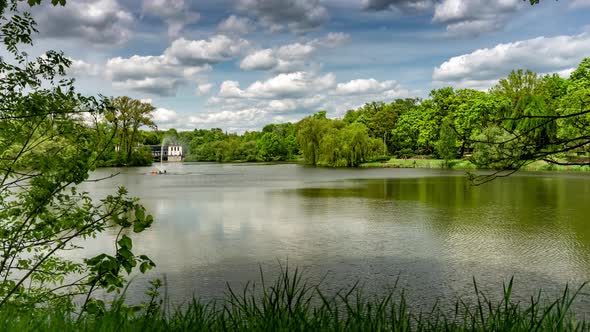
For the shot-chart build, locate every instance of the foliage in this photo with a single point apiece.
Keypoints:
(292, 303)
(141, 156)
(523, 118)
(381, 118)
(545, 118)
(334, 143)
(309, 136)
(124, 122)
(446, 146)
(50, 140)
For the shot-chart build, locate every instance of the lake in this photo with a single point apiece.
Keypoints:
(218, 223)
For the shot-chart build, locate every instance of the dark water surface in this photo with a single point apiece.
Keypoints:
(432, 229)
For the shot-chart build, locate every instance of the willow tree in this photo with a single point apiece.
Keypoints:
(48, 146)
(309, 135)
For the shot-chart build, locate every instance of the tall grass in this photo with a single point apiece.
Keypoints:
(290, 303)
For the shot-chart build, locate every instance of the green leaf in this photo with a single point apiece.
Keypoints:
(125, 242)
(140, 213)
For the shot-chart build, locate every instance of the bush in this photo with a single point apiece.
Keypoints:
(141, 156)
(291, 303)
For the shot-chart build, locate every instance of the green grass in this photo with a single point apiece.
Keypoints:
(461, 164)
(292, 304)
(422, 163)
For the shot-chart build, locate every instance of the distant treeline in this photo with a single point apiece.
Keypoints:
(525, 116)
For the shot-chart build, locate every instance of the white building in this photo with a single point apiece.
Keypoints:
(174, 153)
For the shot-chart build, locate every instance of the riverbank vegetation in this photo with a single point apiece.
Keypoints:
(290, 303)
(464, 164)
(52, 138)
(525, 117)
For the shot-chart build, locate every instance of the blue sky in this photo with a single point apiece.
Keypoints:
(240, 64)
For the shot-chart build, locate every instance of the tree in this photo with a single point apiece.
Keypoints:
(130, 114)
(357, 144)
(270, 147)
(309, 136)
(472, 113)
(545, 119)
(47, 148)
(406, 132)
(446, 146)
(380, 118)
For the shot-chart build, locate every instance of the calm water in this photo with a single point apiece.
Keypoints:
(220, 223)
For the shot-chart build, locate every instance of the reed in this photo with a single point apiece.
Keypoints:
(291, 303)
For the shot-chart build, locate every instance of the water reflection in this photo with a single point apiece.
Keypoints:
(217, 223)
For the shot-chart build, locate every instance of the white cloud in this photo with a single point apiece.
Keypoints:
(290, 57)
(474, 16)
(150, 85)
(166, 118)
(204, 89)
(184, 61)
(364, 86)
(138, 67)
(231, 89)
(297, 84)
(155, 75)
(292, 84)
(461, 17)
(230, 118)
(235, 25)
(291, 96)
(234, 121)
(260, 60)
(164, 115)
(176, 13)
(100, 22)
(81, 68)
(565, 73)
(295, 51)
(542, 54)
(216, 49)
(299, 16)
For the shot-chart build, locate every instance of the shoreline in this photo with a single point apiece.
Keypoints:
(457, 164)
(466, 165)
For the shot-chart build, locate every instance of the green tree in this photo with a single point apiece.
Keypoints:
(130, 115)
(406, 132)
(142, 156)
(309, 135)
(446, 146)
(357, 144)
(47, 148)
(270, 147)
(546, 119)
(472, 113)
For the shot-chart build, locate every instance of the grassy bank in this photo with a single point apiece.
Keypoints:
(290, 304)
(422, 163)
(461, 164)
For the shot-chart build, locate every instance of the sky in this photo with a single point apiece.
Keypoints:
(241, 64)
